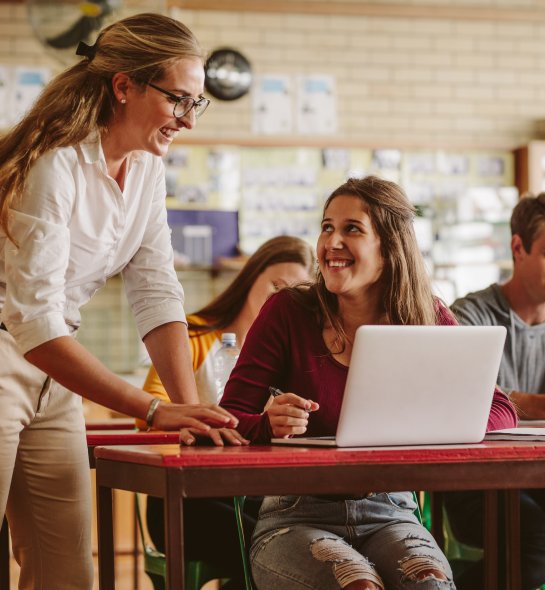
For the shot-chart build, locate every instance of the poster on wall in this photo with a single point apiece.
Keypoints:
(316, 105)
(5, 93)
(272, 105)
(28, 82)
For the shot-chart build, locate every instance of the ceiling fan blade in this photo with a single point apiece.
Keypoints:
(79, 31)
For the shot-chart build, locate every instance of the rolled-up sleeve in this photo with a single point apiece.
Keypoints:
(35, 269)
(153, 290)
(35, 299)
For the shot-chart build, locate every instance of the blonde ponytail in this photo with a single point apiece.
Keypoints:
(80, 101)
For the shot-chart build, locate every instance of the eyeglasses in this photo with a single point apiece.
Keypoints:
(183, 104)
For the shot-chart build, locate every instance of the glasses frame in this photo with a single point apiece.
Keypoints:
(196, 103)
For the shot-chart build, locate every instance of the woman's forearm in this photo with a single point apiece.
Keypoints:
(168, 347)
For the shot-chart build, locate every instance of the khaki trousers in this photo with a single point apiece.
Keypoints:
(45, 487)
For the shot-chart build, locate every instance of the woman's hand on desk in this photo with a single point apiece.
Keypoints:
(197, 417)
(216, 436)
(288, 414)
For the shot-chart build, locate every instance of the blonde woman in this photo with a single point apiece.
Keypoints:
(83, 198)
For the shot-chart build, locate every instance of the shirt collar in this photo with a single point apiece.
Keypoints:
(91, 149)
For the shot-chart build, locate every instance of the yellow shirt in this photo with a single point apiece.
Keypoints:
(203, 348)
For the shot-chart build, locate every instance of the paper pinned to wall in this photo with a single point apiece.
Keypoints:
(28, 82)
(316, 105)
(272, 105)
(5, 96)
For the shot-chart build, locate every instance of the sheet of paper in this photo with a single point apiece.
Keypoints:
(272, 105)
(28, 82)
(5, 96)
(520, 434)
(316, 105)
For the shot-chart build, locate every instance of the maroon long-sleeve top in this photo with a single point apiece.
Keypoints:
(285, 348)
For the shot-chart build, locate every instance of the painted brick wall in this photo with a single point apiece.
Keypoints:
(400, 81)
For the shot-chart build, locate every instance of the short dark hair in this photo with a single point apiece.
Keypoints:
(528, 218)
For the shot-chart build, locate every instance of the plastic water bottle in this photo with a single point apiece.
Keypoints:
(224, 360)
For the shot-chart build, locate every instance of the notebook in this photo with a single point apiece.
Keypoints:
(415, 385)
(520, 434)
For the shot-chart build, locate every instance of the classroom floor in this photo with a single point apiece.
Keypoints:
(123, 569)
(124, 566)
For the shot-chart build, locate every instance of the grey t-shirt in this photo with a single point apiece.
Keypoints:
(523, 363)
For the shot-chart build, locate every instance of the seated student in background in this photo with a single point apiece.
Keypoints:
(519, 305)
(210, 525)
(370, 272)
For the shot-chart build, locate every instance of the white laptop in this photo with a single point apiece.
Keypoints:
(416, 385)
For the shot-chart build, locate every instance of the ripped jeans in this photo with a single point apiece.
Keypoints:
(314, 543)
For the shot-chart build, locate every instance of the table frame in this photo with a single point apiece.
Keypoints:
(143, 470)
(110, 432)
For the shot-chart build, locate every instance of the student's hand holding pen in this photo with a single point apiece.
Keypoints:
(288, 413)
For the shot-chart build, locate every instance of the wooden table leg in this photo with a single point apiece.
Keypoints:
(490, 539)
(174, 536)
(106, 567)
(135, 546)
(512, 539)
(4, 556)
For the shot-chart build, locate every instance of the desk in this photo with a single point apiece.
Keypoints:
(126, 437)
(174, 473)
(114, 432)
(110, 424)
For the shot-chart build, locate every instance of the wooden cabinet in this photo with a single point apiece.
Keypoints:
(530, 168)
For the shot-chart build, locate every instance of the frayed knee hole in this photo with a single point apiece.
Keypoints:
(423, 567)
(348, 565)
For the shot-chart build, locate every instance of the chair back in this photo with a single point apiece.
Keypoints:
(239, 508)
(197, 573)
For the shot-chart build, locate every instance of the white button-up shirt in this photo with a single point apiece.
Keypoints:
(75, 229)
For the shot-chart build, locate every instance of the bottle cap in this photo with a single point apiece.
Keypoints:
(229, 338)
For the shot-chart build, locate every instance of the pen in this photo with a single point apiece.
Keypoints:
(275, 392)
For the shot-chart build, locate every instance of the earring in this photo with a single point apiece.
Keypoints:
(123, 100)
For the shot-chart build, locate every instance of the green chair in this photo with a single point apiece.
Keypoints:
(456, 550)
(460, 555)
(424, 506)
(197, 573)
(239, 508)
(418, 511)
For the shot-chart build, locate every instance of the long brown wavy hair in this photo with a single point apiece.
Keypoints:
(80, 100)
(222, 311)
(407, 292)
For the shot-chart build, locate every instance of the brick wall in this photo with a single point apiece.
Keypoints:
(401, 81)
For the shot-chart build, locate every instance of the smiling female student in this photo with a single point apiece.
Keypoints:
(370, 272)
(82, 198)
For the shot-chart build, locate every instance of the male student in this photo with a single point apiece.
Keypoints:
(519, 305)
